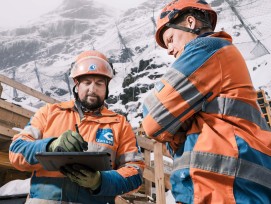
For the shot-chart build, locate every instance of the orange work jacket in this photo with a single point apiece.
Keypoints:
(105, 131)
(205, 109)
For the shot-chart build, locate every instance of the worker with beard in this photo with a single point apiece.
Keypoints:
(53, 129)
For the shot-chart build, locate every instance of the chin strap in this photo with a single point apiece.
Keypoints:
(195, 31)
(78, 104)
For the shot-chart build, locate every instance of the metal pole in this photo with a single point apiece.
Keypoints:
(241, 20)
(38, 77)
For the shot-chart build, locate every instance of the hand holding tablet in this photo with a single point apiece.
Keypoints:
(53, 161)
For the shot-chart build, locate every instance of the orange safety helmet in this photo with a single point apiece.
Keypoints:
(91, 63)
(175, 9)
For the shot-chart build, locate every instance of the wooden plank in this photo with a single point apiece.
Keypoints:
(145, 143)
(12, 119)
(265, 105)
(7, 132)
(5, 164)
(167, 181)
(1, 89)
(15, 116)
(4, 161)
(135, 198)
(149, 174)
(159, 174)
(27, 89)
(148, 184)
(120, 200)
(16, 109)
(7, 175)
(4, 145)
(140, 202)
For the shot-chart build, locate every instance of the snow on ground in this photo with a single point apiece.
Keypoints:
(169, 197)
(15, 186)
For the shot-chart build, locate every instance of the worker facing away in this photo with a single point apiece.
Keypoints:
(53, 129)
(205, 109)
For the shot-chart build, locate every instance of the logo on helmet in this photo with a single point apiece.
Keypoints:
(92, 67)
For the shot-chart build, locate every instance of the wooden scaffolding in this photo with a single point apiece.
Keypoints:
(264, 105)
(154, 174)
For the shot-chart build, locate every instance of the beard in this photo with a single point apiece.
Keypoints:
(93, 105)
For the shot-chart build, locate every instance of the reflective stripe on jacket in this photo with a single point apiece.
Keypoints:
(54, 119)
(205, 108)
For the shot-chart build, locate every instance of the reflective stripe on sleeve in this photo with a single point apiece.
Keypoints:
(30, 130)
(137, 167)
(237, 108)
(151, 101)
(161, 114)
(129, 157)
(183, 86)
(225, 165)
(158, 111)
(253, 172)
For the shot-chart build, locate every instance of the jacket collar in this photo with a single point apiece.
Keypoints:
(103, 111)
(221, 34)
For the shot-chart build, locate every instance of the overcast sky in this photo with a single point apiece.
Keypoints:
(14, 13)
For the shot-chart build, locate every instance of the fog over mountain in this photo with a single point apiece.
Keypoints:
(49, 45)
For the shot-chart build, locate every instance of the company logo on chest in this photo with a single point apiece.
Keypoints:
(105, 136)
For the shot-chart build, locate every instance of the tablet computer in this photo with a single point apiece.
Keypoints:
(53, 161)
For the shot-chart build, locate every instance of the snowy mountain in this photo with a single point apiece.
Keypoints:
(61, 31)
(47, 47)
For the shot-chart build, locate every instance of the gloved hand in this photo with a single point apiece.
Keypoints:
(69, 141)
(82, 176)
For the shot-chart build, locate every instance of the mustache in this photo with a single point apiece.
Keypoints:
(92, 94)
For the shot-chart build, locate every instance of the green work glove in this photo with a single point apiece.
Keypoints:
(82, 175)
(69, 141)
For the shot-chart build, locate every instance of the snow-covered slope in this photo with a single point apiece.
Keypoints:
(48, 46)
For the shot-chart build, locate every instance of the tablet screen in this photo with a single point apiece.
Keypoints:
(53, 161)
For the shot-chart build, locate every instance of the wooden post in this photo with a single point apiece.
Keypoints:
(120, 200)
(159, 173)
(148, 183)
(264, 105)
(1, 89)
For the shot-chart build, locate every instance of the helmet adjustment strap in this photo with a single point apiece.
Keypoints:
(206, 19)
(195, 31)
(78, 104)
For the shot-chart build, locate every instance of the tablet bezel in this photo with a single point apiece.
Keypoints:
(53, 161)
